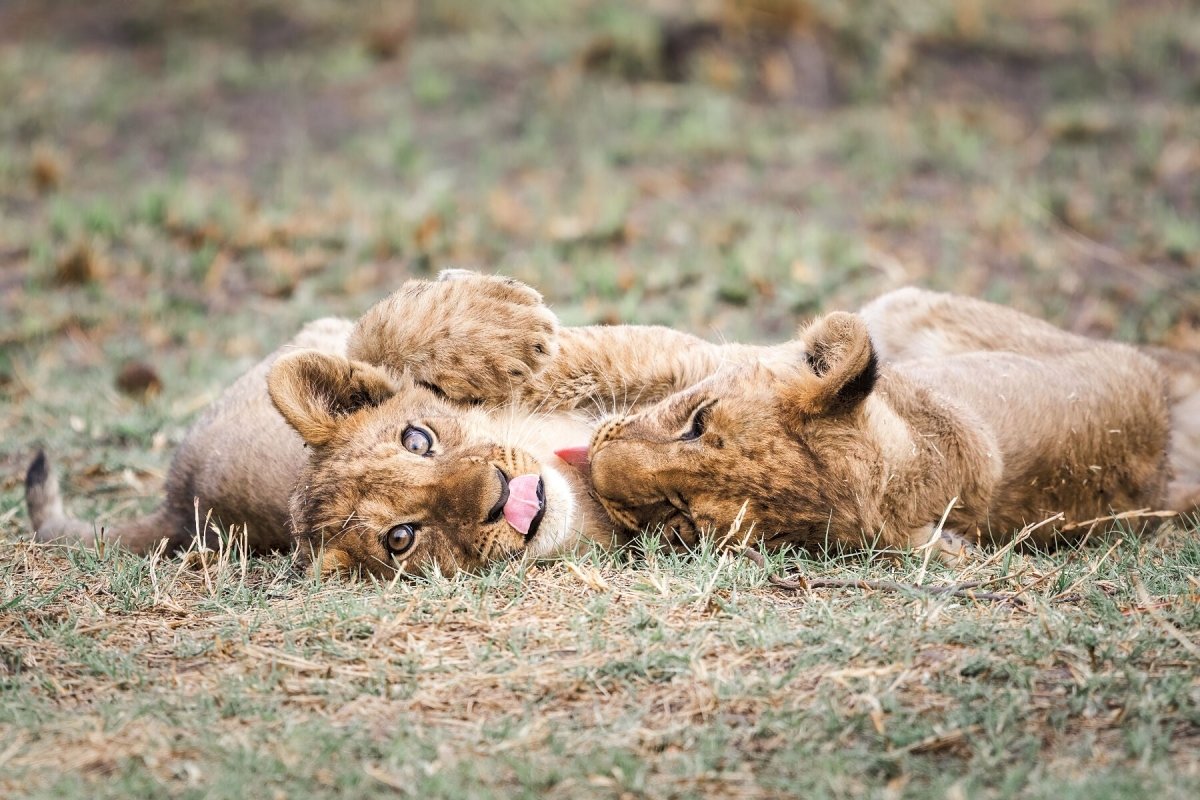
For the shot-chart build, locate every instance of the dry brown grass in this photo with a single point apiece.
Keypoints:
(664, 677)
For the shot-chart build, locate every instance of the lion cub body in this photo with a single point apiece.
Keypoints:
(308, 443)
(915, 325)
(1080, 434)
(244, 465)
(959, 408)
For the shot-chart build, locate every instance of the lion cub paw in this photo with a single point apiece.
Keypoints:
(957, 551)
(471, 337)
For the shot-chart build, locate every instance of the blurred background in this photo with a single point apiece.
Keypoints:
(183, 182)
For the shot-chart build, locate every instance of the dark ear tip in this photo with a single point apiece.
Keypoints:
(863, 383)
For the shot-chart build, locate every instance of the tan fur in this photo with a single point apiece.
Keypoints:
(489, 340)
(468, 338)
(824, 441)
(819, 444)
(911, 324)
(478, 361)
(1183, 379)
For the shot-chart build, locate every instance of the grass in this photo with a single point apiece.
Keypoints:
(665, 677)
(182, 187)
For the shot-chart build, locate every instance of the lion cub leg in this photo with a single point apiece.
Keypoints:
(955, 550)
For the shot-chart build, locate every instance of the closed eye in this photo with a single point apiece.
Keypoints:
(698, 423)
(498, 509)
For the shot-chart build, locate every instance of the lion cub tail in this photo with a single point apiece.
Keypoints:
(51, 523)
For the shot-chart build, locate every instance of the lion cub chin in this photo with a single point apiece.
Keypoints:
(824, 441)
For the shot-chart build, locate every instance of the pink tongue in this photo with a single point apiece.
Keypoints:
(523, 504)
(575, 456)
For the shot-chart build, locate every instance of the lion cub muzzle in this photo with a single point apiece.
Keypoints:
(627, 479)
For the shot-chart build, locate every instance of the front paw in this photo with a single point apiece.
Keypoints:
(955, 550)
(473, 337)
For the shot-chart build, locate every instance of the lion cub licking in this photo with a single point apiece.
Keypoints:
(836, 438)
(372, 469)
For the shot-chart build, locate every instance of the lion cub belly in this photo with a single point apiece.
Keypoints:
(1080, 433)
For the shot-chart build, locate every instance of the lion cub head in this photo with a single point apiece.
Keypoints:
(783, 437)
(400, 479)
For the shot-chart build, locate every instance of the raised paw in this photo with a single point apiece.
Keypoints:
(471, 337)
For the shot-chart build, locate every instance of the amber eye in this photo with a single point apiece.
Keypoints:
(417, 441)
(699, 423)
(400, 538)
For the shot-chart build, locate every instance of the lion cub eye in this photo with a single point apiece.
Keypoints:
(400, 538)
(416, 441)
(699, 423)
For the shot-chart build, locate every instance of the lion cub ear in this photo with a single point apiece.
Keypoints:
(841, 362)
(314, 391)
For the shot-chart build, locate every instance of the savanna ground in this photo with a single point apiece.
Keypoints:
(183, 183)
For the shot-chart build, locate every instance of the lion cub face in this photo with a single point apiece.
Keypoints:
(402, 480)
(782, 438)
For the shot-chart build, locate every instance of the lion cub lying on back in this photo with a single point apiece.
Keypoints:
(872, 426)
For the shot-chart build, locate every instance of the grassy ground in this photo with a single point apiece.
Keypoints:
(181, 184)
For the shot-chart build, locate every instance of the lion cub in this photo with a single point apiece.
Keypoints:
(373, 469)
(836, 438)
